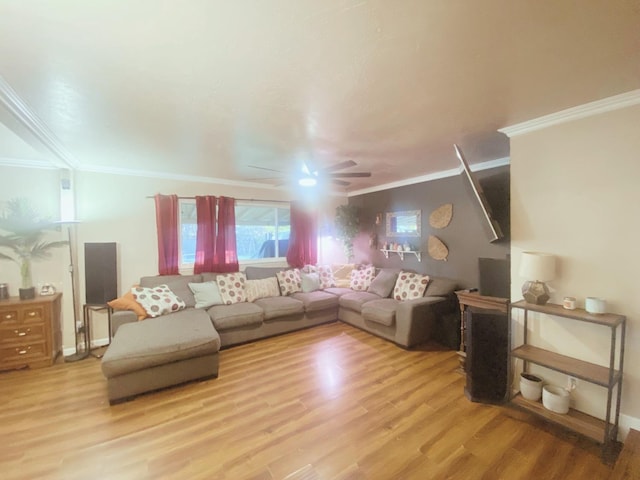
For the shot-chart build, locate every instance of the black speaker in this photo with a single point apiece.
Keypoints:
(100, 272)
(486, 363)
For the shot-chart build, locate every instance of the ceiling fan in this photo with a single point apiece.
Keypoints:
(309, 176)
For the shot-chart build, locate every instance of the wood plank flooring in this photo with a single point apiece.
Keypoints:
(331, 402)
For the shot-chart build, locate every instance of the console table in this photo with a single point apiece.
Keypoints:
(30, 332)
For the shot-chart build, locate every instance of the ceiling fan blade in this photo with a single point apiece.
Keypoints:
(340, 182)
(340, 166)
(264, 168)
(350, 175)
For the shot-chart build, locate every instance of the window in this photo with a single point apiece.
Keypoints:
(262, 231)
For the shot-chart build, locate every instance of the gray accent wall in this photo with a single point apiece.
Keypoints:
(465, 237)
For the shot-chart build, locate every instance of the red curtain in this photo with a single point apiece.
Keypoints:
(303, 239)
(167, 228)
(226, 256)
(206, 237)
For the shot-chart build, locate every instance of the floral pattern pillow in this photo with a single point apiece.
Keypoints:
(290, 281)
(158, 300)
(327, 279)
(231, 286)
(410, 285)
(362, 278)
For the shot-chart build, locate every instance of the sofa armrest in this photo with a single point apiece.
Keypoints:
(120, 317)
(415, 320)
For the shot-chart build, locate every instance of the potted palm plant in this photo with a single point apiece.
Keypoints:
(22, 235)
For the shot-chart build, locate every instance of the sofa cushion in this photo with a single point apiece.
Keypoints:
(275, 307)
(355, 300)
(206, 294)
(410, 285)
(381, 311)
(338, 291)
(261, 288)
(231, 287)
(178, 284)
(243, 314)
(258, 273)
(158, 300)
(384, 282)
(316, 301)
(342, 274)
(440, 287)
(158, 341)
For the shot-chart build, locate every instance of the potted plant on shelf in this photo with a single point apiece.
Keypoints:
(347, 226)
(22, 235)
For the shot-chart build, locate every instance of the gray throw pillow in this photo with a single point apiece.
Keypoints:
(310, 282)
(384, 282)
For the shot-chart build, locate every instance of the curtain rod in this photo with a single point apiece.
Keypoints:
(238, 199)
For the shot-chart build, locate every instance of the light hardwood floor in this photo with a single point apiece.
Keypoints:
(330, 402)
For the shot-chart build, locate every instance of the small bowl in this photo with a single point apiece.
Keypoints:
(530, 386)
(555, 399)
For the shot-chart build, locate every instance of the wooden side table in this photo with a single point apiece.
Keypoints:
(471, 298)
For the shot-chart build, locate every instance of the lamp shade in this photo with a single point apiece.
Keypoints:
(538, 266)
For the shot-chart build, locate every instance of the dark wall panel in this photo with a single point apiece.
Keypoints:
(465, 237)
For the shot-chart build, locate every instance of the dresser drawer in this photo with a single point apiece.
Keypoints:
(31, 314)
(23, 355)
(8, 317)
(22, 334)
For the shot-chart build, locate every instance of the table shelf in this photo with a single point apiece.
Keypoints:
(401, 253)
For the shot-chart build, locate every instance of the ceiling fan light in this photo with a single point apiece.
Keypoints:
(307, 182)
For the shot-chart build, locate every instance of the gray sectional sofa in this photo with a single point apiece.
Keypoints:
(127, 362)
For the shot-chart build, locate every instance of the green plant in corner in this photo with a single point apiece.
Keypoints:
(347, 226)
(22, 235)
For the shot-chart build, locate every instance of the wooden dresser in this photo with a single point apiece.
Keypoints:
(30, 332)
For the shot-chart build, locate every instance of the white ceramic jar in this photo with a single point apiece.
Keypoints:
(530, 386)
(555, 398)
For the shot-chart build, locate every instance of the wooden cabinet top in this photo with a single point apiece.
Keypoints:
(474, 299)
(15, 301)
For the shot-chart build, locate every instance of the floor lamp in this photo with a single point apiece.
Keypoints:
(84, 354)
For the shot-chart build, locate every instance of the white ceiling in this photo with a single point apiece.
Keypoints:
(208, 87)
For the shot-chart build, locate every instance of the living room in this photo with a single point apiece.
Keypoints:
(570, 157)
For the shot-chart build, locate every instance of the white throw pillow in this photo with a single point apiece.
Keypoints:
(410, 285)
(310, 282)
(206, 294)
(231, 286)
(262, 288)
(158, 300)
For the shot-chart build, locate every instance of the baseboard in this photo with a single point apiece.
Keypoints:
(98, 342)
(625, 423)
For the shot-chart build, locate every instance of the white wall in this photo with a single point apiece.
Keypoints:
(575, 192)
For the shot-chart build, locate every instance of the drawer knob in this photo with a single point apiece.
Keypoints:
(23, 351)
(32, 314)
(8, 316)
(22, 333)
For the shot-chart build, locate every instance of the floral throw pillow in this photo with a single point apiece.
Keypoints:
(158, 300)
(231, 286)
(290, 281)
(362, 278)
(326, 276)
(410, 285)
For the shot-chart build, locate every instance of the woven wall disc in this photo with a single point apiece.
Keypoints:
(441, 216)
(437, 249)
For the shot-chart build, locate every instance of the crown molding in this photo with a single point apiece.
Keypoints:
(500, 162)
(27, 163)
(25, 115)
(616, 102)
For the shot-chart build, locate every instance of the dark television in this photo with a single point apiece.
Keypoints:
(492, 226)
(495, 277)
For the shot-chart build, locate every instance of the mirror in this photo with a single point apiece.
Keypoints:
(403, 224)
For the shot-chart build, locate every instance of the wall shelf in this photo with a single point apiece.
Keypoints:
(401, 253)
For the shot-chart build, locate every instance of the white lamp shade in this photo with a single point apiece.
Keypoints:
(538, 266)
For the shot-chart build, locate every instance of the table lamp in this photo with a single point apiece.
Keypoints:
(537, 268)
